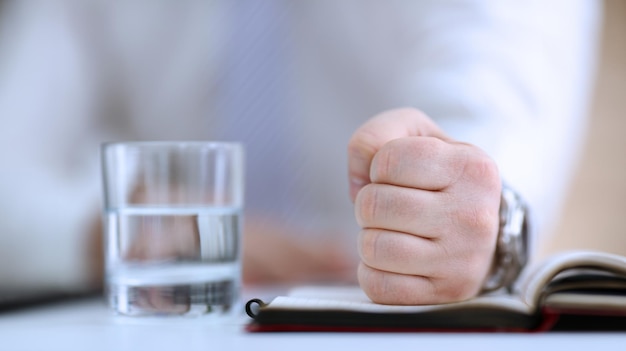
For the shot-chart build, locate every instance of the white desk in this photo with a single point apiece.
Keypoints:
(88, 325)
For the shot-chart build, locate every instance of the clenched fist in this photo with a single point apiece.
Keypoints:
(428, 207)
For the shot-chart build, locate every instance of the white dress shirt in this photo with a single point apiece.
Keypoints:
(293, 80)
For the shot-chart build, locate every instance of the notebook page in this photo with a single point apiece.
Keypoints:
(538, 276)
(354, 300)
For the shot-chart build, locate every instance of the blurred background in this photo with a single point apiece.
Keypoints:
(595, 213)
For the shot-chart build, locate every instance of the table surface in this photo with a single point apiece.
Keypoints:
(90, 325)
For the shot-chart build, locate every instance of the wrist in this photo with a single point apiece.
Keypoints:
(511, 254)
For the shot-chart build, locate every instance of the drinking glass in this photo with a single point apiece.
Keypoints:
(172, 221)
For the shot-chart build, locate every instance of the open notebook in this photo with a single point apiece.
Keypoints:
(579, 290)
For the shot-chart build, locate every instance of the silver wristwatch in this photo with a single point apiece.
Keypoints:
(512, 246)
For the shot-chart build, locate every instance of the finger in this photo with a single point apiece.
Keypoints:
(419, 162)
(414, 255)
(408, 210)
(400, 289)
(432, 164)
(402, 253)
(379, 130)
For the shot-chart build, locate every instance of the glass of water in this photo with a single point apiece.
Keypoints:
(173, 220)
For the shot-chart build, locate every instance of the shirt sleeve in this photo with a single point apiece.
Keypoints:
(513, 78)
(49, 181)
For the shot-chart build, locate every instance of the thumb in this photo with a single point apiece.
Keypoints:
(378, 131)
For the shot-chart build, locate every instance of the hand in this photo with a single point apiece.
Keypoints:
(428, 207)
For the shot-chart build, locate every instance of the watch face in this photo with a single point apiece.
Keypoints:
(523, 242)
(511, 253)
(512, 247)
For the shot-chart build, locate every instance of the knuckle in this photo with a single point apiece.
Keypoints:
(427, 293)
(464, 278)
(368, 248)
(363, 142)
(398, 158)
(433, 146)
(366, 205)
(373, 283)
(460, 293)
(385, 164)
(459, 288)
(479, 168)
(476, 219)
(428, 148)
